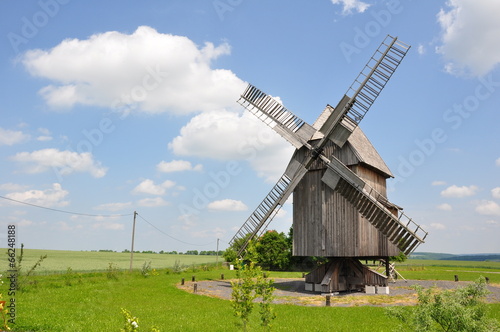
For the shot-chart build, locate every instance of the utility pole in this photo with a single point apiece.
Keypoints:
(132, 247)
(217, 255)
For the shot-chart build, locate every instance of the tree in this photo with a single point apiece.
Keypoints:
(273, 251)
(231, 254)
(459, 310)
(250, 285)
(399, 258)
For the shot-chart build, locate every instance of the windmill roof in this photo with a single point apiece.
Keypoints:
(359, 143)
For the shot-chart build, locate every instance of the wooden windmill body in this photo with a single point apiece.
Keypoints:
(338, 181)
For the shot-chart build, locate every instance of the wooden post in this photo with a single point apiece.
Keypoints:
(182, 282)
(387, 270)
(222, 276)
(193, 278)
(456, 277)
(217, 255)
(487, 280)
(132, 246)
(195, 287)
(328, 301)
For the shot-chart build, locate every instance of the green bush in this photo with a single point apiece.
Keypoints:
(250, 285)
(462, 309)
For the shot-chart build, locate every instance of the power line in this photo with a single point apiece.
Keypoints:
(69, 212)
(170, 236)
(103, 216)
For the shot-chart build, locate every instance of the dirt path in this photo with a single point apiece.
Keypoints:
(291, 291)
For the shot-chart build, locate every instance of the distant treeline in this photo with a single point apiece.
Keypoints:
(476, 258)
(189, 252)
(451, 257)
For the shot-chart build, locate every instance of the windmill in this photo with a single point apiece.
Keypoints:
(338, 179)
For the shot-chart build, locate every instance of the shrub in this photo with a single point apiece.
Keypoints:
(112, 271)
(250, 285)
(146, 269)
(132, 323)
(451, 310)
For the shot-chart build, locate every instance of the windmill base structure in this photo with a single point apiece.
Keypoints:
(338, 181)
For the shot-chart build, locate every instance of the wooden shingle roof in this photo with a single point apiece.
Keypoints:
(361, 146)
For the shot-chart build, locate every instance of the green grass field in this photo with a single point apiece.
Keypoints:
(446, 270)
(80, 261)
(91, 301)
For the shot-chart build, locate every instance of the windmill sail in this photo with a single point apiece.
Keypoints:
(276, 116)
(338, 126)
(257, 223)
(364, 90)
(399, 229)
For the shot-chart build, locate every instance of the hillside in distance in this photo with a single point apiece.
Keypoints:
(452, 257)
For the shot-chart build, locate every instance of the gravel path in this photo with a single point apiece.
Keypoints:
(291, 291)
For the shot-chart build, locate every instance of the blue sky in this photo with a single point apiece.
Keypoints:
(113, 107)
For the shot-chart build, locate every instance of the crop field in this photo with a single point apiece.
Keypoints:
(58, 261)
(92, 301)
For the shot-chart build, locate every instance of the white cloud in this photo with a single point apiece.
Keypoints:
(64, 226)
(470, 30)
(25, 223)
(152, 202)
(438, 183)
(11, 137)
(147, 71)
(281, 214)
(44, 138)
(45, 135)
(114, 206)
(12, 187)
(455, 191)
(495, 192)
(188, 221)
(497, 162)
(62, 162)
(444, 207)
(421, 49)
(47, 198)
(489, 208)
(109, 226)
(349, 5)
(492, 222)
(227, 205)
(438, 226)
(177, 166)
(225, 135)
(216, 232)
(149, 187)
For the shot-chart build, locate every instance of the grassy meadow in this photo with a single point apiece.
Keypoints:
(92, 301)
(86, 261)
